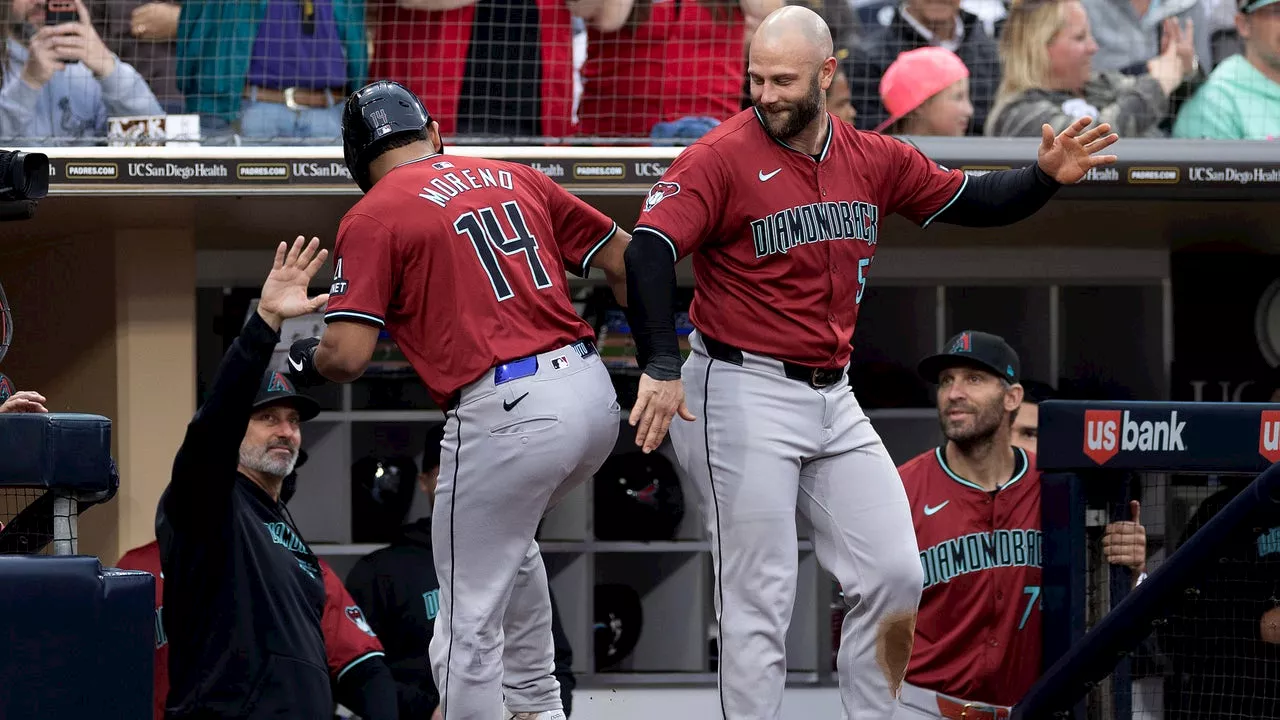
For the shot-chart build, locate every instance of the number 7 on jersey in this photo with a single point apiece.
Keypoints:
(487, 234)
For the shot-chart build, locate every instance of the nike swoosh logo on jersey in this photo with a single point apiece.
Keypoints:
(931, 510)
(508, 405)
(297, 365)
(765, 176)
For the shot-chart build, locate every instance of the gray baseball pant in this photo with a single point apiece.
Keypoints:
(510, 452)
(763, 446)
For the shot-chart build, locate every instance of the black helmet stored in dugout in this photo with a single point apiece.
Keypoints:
(637, 498)
(373, 115)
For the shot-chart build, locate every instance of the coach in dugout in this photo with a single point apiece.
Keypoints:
(348, 639)
(975, 503)
(243, 593)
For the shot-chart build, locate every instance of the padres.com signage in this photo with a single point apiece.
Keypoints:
(604, 170)
(1158, 436)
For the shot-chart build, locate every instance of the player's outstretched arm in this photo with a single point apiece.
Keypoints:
(651, 289)
(1009, 196)
(611, 260)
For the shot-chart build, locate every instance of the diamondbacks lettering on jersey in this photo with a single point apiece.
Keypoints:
(449, 185)
(282, 534)
(779, 232)
(976, 552)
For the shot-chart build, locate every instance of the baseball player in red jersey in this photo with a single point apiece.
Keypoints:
(781, 208)
(463, 261)
(348, 639)
(975, 504)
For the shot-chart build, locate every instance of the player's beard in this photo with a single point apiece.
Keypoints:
(976, 429)
(261, 458)
(790, 119)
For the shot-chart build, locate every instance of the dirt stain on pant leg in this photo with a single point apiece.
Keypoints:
(894, 637)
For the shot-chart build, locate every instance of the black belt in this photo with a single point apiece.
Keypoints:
(812, 376)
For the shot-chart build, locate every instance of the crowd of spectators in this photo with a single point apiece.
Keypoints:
(606, 71)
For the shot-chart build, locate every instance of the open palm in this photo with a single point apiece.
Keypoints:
(1069, 156)
(284, 294)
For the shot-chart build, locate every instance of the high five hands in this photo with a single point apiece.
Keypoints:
(1069, 155)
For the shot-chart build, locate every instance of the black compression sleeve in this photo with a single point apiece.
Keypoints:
(369, 690)
(1001, 198)
(651, 299)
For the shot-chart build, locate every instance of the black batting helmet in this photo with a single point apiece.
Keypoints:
(637, 498)
(373, 115)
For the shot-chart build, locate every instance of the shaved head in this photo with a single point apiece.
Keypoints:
(797, 31)
(790, 67)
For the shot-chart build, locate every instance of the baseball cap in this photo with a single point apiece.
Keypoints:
(277, 390)
(1248, 6)
(972, 348)
(916, 76)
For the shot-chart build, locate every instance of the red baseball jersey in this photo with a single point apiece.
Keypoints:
(463, 260)
(978, 634)
(782, 242)
(427, 51)
(348, 639)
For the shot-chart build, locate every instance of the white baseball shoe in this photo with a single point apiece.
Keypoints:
(544, 715)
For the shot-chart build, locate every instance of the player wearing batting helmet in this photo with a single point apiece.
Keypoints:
(463, 261)
(975, 505)
(781, 208)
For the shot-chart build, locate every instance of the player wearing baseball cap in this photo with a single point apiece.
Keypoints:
(975, 504)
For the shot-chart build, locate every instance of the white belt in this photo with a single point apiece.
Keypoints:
(946, 706)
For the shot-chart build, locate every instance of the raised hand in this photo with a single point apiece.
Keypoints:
(284, 294)
(1068, 156)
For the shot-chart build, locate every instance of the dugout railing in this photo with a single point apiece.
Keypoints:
(52, 466)
(1103, 640)
(78, 637)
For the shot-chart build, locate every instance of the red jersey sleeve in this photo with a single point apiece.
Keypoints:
(348, 639)
(914, 186)
(363, 272)
(147, 559)
(686, 205)
(580, 230)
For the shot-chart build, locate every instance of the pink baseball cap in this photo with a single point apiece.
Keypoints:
(916, 76)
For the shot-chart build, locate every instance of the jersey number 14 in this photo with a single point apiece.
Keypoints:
(487, 235)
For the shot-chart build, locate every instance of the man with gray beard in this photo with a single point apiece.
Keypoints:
(243, 593)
